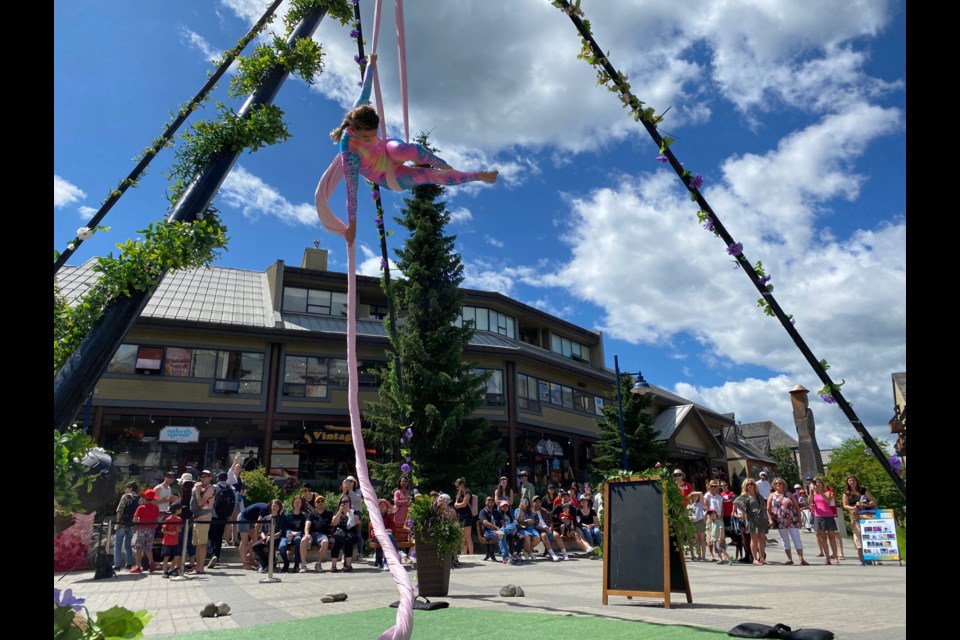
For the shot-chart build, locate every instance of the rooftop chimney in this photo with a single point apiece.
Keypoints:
(314, 259)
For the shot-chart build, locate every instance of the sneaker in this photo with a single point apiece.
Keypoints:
(153, 566)
(303, 567)
(385, 567)
(136, 570)
(213, 562)
(317, 567)
(166, 574)
(589, 550)
(261, 569)
(566, 556)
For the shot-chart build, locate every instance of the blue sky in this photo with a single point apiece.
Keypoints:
(794, 113)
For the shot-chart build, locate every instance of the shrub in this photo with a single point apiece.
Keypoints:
(260, 486)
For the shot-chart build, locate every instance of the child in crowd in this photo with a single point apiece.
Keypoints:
(716, 537)
(171, 541)
(698, 543)
(386, 512)
(148, 513)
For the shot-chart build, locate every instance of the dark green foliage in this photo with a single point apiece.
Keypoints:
(786, 466)
(427, 386)
(852, 456)
(643, 450)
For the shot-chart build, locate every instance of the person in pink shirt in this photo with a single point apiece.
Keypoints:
(824, 518)
(383, 162)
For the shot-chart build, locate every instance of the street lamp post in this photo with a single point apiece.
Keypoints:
(640, 387)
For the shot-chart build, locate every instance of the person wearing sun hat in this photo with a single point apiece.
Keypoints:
(763, 485)
(685, 487)
(149, 514)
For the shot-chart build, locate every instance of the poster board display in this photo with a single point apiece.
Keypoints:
(878, 533)
(639, 559)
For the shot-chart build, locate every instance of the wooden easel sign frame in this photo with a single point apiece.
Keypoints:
(638, 557)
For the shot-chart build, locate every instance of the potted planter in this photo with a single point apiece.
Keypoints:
(437, 536)
(433, 570)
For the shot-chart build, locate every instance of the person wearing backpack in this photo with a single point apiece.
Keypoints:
(224, 502)
(123, 536)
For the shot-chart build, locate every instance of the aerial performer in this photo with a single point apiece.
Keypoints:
(382, 161)
(363, 152)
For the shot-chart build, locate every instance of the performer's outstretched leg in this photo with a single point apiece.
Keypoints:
(409, 177)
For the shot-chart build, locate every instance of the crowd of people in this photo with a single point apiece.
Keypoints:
(513, 522)
(746, 520)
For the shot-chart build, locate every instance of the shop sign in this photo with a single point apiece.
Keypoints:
(179, 434)
(330, 434)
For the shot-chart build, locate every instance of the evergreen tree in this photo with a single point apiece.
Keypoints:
(643, 450)
(427, 386)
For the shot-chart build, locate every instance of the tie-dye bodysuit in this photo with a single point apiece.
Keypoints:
(382, 162)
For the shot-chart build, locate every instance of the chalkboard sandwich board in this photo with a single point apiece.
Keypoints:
(638, 557)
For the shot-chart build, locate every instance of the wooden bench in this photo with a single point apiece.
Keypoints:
(490, 545)
(402, 536)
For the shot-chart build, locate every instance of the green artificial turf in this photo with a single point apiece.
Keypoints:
(460, 624)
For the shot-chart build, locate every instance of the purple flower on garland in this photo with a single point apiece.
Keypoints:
(696, 181)
(708, 223)
(379, 221)
(375, 194)
(409, 523)
(408, 434)
(359, 60)
(405, 468)
(354, 34)
(826, 397)
(67, 599)
(764, 280)
(662, 159)
(896, 463)
(735, 249)
(383, 264)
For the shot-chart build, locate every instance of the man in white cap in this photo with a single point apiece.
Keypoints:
(763, 486)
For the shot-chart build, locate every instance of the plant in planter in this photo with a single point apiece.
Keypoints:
(437, 536)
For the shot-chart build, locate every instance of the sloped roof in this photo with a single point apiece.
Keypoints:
(224, 295)
(206, 294)
(744, 449)
(766, 436)
(669, 421)
(670, 397)
(900, 380)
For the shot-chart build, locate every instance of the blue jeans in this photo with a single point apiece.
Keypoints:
(592, 535)
(284, 545)
(379, 559)
(122, 541)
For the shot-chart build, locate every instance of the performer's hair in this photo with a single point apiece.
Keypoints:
(362, 118)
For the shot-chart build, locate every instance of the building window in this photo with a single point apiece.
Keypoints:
(305, 377)
(238, 372)
(149, 360)
(532, 393)
(527, 393)
(316, 301)
(495, 397)
(377, 312)
(569, 349)
(177, 363)
(203, 363)
(488, 320)
(124, 359)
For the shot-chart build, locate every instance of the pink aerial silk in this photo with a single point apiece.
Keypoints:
(403, 628)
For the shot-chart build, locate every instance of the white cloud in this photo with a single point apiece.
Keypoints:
(65, 193)
(199, 43)
(87, 212)
(254, 198)
(493, 241)
(460, 215)
(369, 264)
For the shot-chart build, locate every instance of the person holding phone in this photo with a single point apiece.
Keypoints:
(345, 535)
